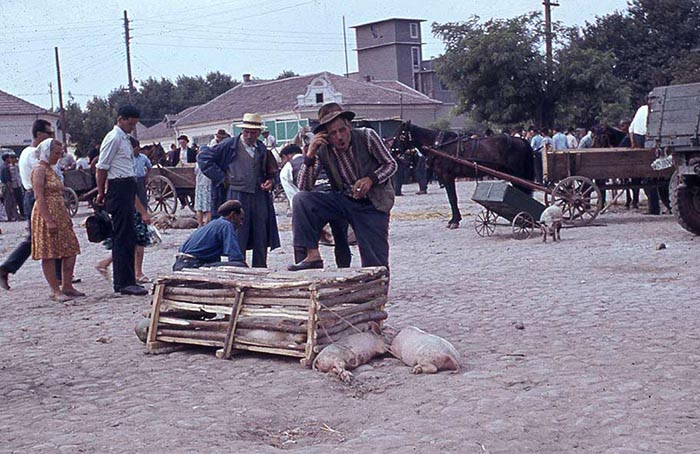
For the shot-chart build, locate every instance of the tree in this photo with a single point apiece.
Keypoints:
(495, 68)
(287, 73)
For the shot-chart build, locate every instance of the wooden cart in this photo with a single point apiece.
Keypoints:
(79, 185)
(584, 173)
(166, 186)
(500, 199)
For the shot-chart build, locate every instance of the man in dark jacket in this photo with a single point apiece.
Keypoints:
(242, 169)
(184, 153)
(359, 169)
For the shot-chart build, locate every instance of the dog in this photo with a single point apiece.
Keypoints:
(551, 221)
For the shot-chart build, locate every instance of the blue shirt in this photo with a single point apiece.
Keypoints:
(559, 141)
(536, 143)
(210, 242)
(141, 165)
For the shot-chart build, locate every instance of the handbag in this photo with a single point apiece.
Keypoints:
(98, 226)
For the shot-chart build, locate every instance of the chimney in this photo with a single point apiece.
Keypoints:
(246, 78)
(368, 78)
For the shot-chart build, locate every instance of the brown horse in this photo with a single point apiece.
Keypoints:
(511, 155)
(155, 153)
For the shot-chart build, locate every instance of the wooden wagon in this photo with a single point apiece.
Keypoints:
(260, 310)
(166, 186)
(583, 174)
(79, 185)
(500, 199)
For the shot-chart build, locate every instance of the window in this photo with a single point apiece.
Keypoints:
(414, 30)
(415, 57)
(319, 98)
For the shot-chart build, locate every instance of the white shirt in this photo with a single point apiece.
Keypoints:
(116, 155)
(270, 141)
(571, 141)
(82, 163)
(183, 157)
(287, 179)
(27, 161)
(639, 122)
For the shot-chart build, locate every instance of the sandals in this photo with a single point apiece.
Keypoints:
(144, 280)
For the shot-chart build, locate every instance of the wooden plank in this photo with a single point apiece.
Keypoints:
(155, 313)
(274, 351)
(277, 301)
(198, 292)
(213, 336)
(231, 330)
(270, 343)
(213, 300)
(330, 313)
(197, 308)
(311, 329)
(211, 325)
(274, 312)
(182, 340)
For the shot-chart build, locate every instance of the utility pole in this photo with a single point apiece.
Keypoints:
(345, 48)
(127, 38)
(51, 94)
(548, 4)
(60, 102)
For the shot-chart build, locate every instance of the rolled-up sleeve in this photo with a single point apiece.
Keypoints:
(108, 151)
(387, 163)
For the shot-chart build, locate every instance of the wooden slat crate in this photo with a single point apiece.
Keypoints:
(284, 313)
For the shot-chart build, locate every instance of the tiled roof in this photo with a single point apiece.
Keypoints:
(281, 96)
(12, 105)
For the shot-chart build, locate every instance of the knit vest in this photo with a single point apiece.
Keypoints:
(382, 194)
(244, 171)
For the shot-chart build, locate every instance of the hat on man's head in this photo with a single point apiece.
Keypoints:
(221, 133)
(290, 149)
(184, 137)
(251, 121)
(329, 112)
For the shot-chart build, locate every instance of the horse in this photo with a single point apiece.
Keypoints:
(511, 155)
(155, 153)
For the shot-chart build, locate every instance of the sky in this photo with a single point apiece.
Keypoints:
(182, 37)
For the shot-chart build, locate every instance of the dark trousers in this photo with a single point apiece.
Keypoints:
(255, 227)
(537, 156)
(399, 177)
(341, 246)
(24, 249)
(141, 191)
(120, 205)
(312, 210)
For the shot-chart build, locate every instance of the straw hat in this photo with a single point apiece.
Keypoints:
(251, 121)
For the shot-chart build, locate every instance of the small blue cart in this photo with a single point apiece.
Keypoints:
(501, 199)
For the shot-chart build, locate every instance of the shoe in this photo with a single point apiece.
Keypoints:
(421, 192)
(304, 265)
(136, 290)
(4, 282)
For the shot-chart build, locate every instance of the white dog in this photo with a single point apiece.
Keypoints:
(551, 221)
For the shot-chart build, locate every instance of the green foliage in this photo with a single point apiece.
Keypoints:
(443, 124)
(287, 73)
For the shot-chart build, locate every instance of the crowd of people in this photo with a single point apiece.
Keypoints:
(338, 176)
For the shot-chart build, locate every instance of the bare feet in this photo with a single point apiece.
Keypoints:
(60, 297)
(143, 279)
(72, 292)
(104, 272)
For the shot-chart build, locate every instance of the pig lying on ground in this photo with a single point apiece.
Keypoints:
(426, 353)
(165, 221)
(551, 220)
(350, 352)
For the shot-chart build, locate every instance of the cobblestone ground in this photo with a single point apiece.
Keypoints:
(608, 360)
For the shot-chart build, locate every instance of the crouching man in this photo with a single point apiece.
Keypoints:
(207, 244)
(359, 169)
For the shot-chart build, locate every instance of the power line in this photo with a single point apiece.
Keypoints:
(245, 49)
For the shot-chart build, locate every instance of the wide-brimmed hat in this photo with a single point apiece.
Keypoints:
(329, 112)
(184, 137)
(222, 133)
(251, 121)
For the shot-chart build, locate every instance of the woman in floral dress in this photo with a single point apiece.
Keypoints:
(52, 228)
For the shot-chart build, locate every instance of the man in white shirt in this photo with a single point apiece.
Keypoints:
(116, 166)
(268, 139)
(82, 163)
(571, 140)
(638, 127)
(41, 130)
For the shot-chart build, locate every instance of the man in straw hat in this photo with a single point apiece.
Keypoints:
(359, 169)
(241, 168)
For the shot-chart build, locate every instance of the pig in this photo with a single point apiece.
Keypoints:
(551, 220)
(426, 353)
(165, 221)
(350, 352)
(141, 329)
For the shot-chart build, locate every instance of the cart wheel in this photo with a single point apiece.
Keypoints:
(579, 198)
(71, 200)
(485, 223)
(523, 225)
(161, 195)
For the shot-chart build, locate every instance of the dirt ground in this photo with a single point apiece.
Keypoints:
(608, 360)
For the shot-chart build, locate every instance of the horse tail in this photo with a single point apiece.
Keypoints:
(528, 165)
